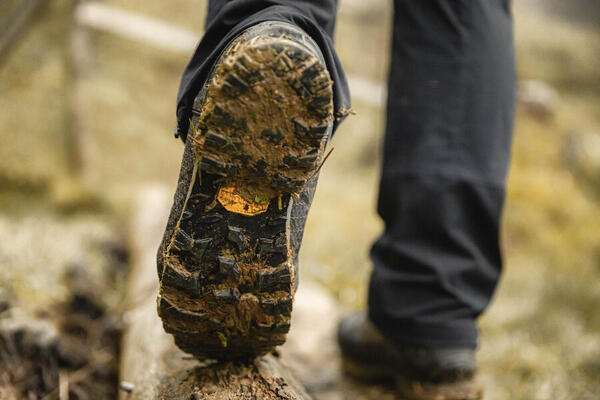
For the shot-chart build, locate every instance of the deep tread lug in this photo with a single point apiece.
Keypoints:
(282, 182)
(280, 244)
(265, 328)
(300, 89)
(217, 167)
(290, 161)
(278, 341)
(228, 267)
(284, 305)
(212, 218)
(236, 143)
(282, 328)
(183, 241)
(199, 247)
(219, 116)
(300, 128)
(260, 168)
(283, 65)
(234, 86)
(305, 162)
(295, 55)
(280, 220)
(199, 197)
(268, 305)
(279, 278)
(318, 131)
(187, 282)
(310, 75)
(276, 258)
(246, 68)
(318, 104)
(266, 246)
(168, 310)
(229, 296)
(214, 140)
(272, 135)
(235, 235)
(277, 245)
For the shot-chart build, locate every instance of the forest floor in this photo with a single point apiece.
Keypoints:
(540, 339)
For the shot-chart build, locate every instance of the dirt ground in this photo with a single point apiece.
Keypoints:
(541, 335)
(60, 289)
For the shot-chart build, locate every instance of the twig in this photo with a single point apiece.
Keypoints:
(79, 375)
(63, 385)
(319, 168)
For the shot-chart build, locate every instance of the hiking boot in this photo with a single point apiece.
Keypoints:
(226, 264)
(420, 373)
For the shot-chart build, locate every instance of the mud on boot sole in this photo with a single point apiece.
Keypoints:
(260, 126)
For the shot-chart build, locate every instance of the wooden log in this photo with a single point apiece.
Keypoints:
(152, 367)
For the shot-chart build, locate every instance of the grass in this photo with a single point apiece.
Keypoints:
(540, 337)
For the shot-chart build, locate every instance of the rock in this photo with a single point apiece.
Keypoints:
(538, 98)
(126, 386)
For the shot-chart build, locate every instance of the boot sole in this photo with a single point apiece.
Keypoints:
(260, 127)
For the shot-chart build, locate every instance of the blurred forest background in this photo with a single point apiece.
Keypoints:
(86, 120)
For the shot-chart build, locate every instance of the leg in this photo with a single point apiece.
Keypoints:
(226, 19)
(447, 146)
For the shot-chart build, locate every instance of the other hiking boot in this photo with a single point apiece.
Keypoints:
(260, 125)
(420, 373)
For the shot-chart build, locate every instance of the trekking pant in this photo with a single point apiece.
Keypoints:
(450, 113)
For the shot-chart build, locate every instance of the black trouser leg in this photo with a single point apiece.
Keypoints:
(228, 18)
(447, 147)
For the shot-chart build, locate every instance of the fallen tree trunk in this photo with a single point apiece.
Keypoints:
(152, 367)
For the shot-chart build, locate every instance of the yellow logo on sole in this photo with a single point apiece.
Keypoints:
(232, 201)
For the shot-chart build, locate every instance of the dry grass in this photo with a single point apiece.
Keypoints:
(540, 338)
